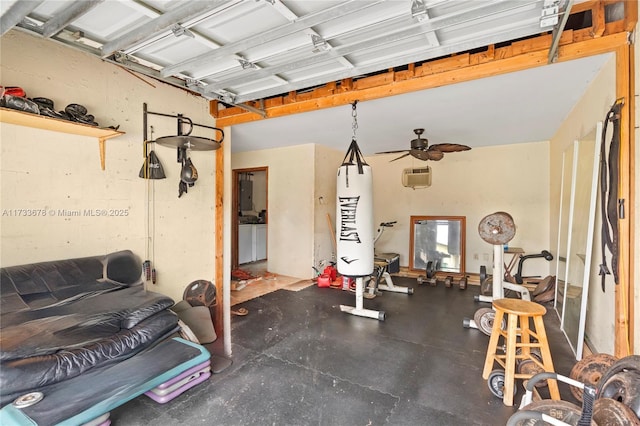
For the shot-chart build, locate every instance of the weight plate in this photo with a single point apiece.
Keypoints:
(497, 228)
(530, 367)
(28, 399)
(561, 410)
(486, 287)
(431, 269)
(484, 320)
(589, 370)
(609, 412)
(624, 387)
(622, 382)
(462, 283)
(483, 273)
(496, 383)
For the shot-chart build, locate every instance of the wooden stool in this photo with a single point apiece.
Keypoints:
(518, 313)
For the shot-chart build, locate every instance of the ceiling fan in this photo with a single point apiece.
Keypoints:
(421, 150)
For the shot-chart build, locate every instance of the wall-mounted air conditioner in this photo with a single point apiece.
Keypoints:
(416, 178)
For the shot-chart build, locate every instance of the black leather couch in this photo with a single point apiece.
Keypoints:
(63, 318)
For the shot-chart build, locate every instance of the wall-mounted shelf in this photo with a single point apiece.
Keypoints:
(21, 118)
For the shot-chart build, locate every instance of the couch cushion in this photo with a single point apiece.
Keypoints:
(123, 267)
(26, 374)
(37, 285)
(90, 319)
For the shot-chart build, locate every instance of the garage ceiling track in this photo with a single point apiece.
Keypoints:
(236, 51)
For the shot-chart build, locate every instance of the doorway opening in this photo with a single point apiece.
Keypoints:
(250, 216)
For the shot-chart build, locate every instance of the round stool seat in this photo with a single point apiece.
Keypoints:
(519, 307)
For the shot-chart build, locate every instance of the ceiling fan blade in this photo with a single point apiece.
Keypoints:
(392, 152)
(449, 147)
(402, 156)
(435, 155)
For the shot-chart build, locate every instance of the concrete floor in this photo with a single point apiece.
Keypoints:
(298, 360)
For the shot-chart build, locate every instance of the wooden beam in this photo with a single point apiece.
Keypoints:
(623, 290)
(219, 235)
(630, 15)
(213, 108)
(597, 20)
(458, 72)
(581, 7)
(633, 231)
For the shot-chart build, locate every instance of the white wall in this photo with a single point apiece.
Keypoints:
(53, 171)
(327, 162)
(291, 200)
(591, 108)
(510, 178)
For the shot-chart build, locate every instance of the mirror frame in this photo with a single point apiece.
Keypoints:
(564, 220)
(460, 219)
(583, 260)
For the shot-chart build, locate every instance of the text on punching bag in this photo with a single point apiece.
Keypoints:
(348, 207)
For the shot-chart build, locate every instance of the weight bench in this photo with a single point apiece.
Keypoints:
(386, 264)
(162, 372)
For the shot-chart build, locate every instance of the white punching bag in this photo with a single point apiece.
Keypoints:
(354, 215)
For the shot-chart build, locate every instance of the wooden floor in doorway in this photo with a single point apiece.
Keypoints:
(264, 282)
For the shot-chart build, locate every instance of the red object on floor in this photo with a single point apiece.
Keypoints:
(324, 280)
(331, 271)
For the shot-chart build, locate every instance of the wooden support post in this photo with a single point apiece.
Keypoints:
(213, 108)
(412, 69)
(624, 289)
(219, 238)
(633, 232)
(597, 19)
(630, 15)
(219, 232)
